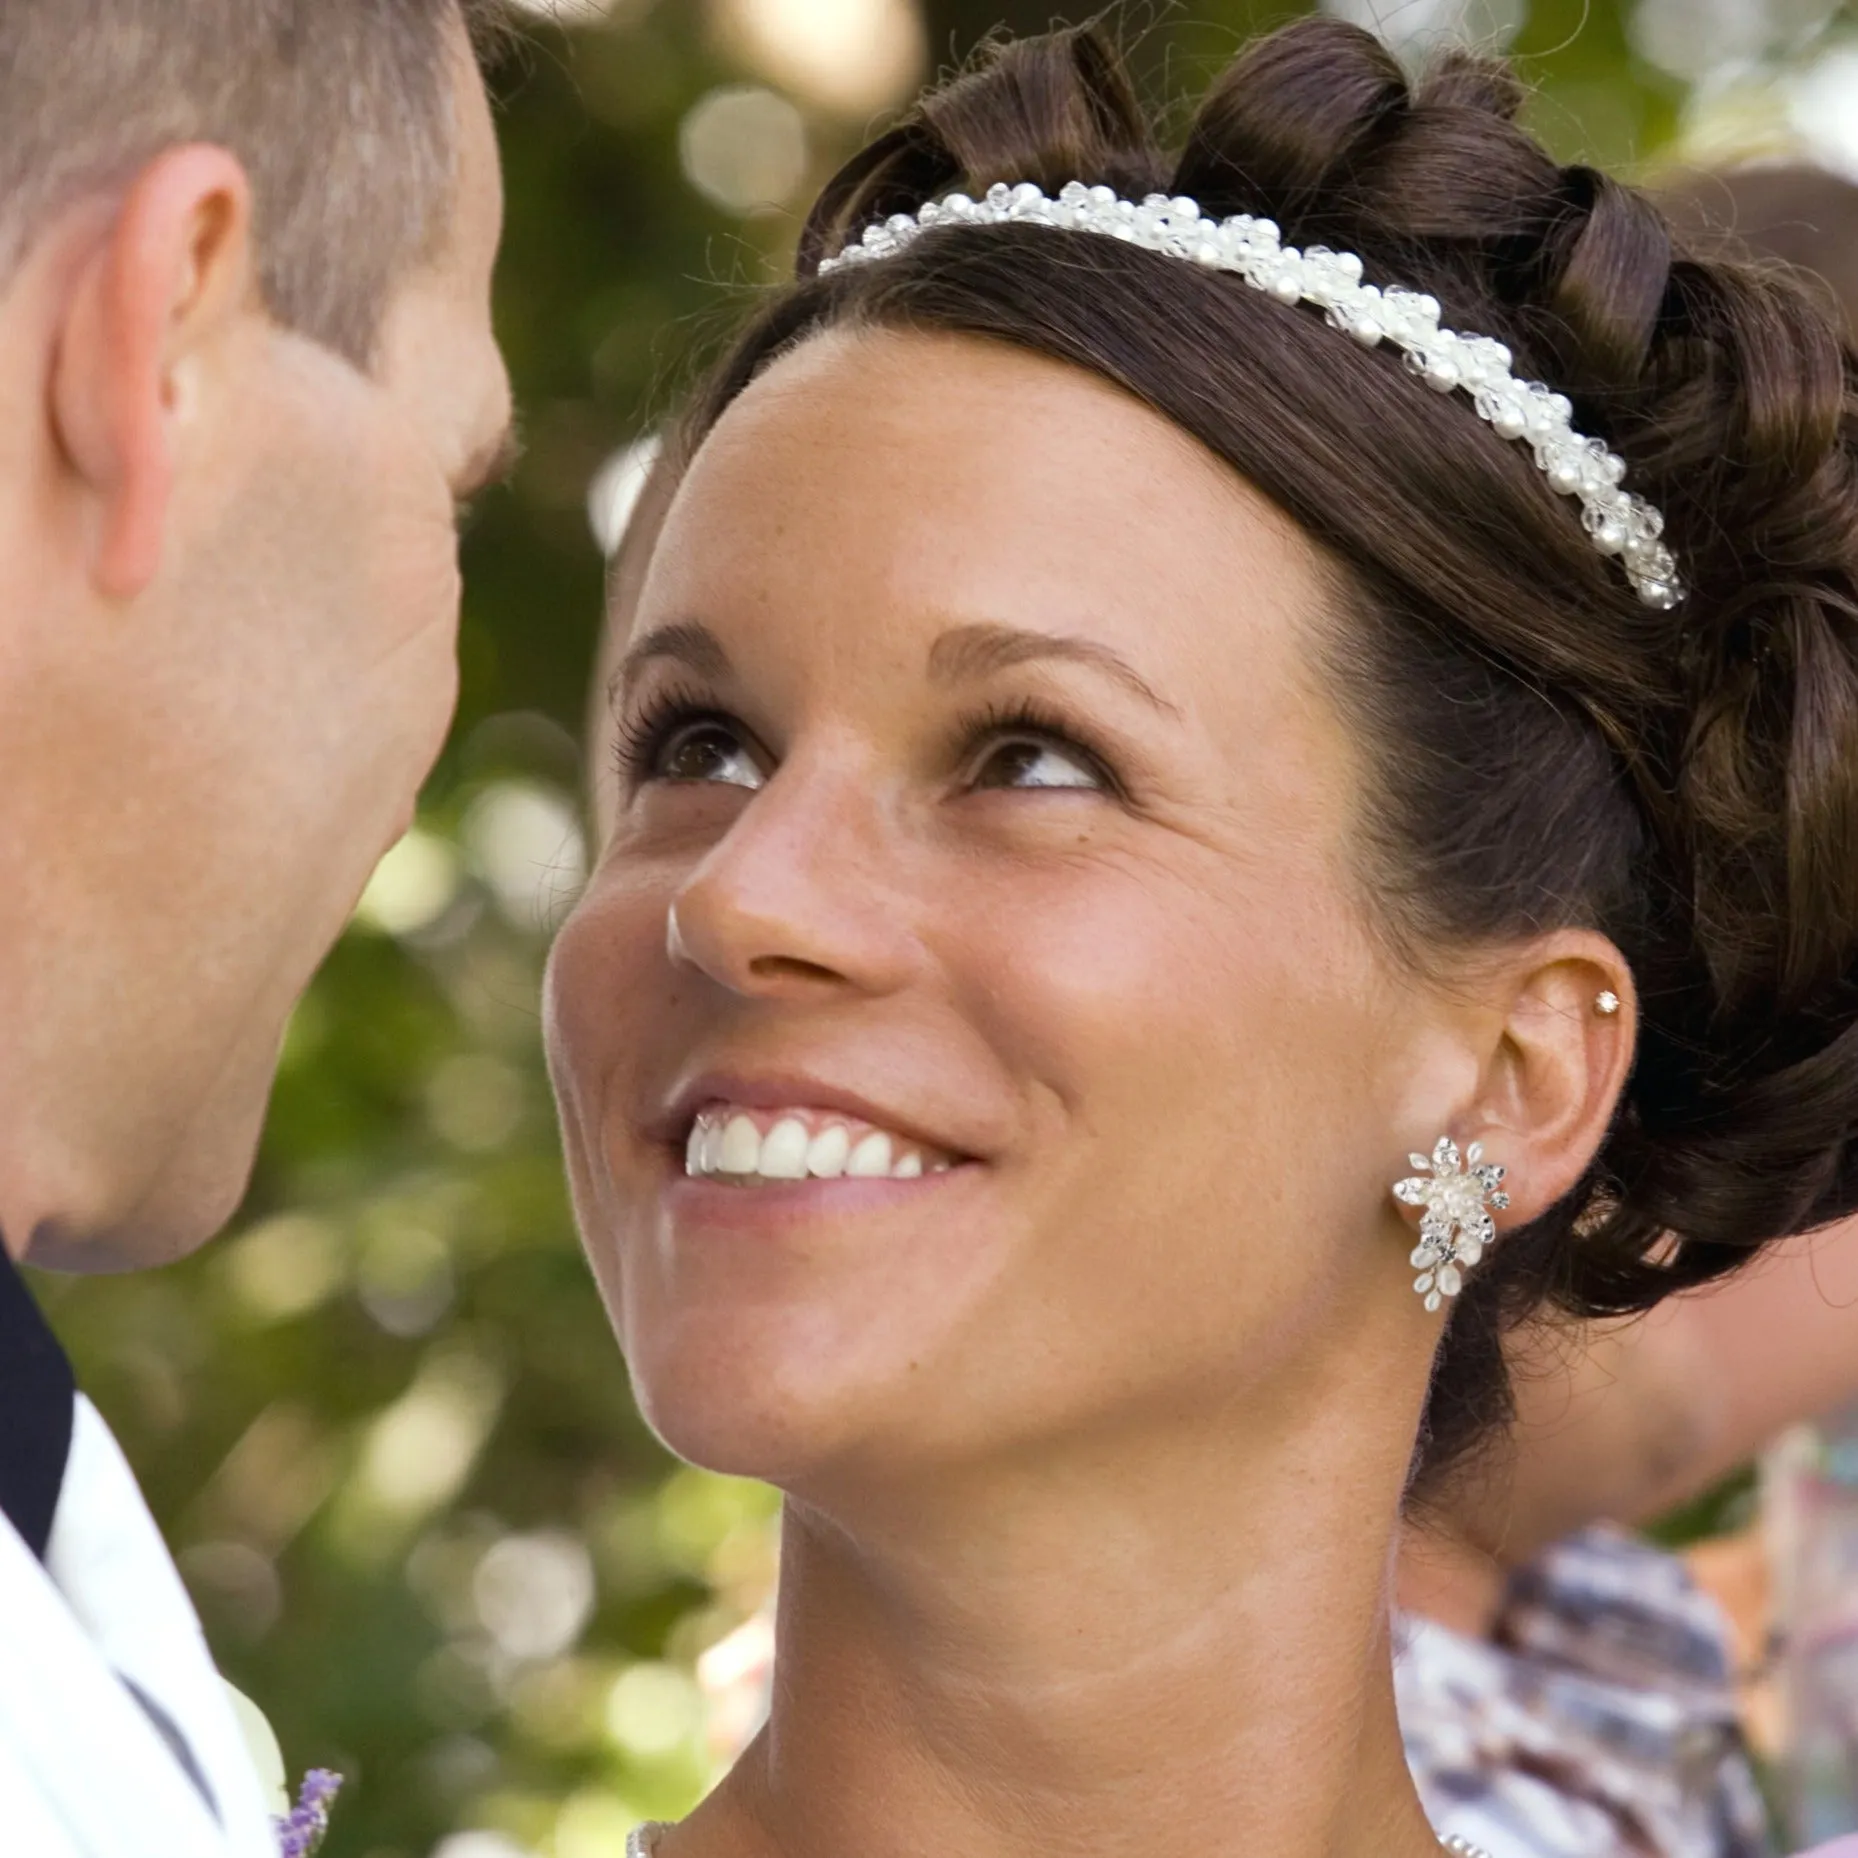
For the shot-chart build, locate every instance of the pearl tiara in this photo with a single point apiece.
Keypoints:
(1617, 522)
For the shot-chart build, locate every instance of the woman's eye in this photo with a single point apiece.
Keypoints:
(1031, 762)
(707, 751)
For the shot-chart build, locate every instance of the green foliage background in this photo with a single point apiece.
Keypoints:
(395, 1362)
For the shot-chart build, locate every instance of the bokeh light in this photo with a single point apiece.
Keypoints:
(744, 147)
(525, 842)
(534, 1593)
(849, 56)
(412, 886)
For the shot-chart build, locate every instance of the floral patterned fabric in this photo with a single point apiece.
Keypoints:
(1598, 1721)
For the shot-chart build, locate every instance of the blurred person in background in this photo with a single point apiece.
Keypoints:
(246, 375)
(1519, 1591)
(1094, 1421)
(1630, 1420)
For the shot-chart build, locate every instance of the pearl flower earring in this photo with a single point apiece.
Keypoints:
(1456, 1193)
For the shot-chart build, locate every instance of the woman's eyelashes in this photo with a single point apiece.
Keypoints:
(679, 738)
(1022, 745)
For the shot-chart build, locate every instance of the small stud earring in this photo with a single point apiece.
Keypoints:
(1606, 1003)
(1456, 1193)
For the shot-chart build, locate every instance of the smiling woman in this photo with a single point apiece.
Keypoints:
(1114, 773)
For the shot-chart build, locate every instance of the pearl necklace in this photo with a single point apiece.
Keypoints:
(642, 1842)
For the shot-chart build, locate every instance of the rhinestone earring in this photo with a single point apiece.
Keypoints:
(1456, 1193)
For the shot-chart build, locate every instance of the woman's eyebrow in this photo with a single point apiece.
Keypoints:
(964, 653)
(684, 642)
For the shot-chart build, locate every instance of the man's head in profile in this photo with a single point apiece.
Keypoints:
(246, 375)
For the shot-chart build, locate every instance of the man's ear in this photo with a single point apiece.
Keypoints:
(171, 271)
(1553, 1075)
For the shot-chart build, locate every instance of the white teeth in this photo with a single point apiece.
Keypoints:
(741, 1147)
(783, 1151)
(732, 1145)
(870, 1160)
(825, 1158)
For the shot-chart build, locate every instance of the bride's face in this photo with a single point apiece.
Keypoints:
(973, 1036)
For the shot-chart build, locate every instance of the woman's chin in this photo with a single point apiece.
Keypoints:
(775, 1439)
(768, 1332)
(785, 1408)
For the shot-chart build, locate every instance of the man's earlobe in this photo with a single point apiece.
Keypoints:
(165, 277)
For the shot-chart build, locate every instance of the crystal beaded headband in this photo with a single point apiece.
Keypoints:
(1617, 522)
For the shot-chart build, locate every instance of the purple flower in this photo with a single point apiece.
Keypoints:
(300, 1832)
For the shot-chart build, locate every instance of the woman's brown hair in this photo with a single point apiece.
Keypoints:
(1543, 749)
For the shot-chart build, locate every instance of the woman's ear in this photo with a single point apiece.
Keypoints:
(1553, 1075)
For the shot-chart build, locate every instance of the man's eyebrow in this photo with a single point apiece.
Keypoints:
(491, 465)
(684, 641)
(965, 653)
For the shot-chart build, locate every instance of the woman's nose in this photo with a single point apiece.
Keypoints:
(796, 899)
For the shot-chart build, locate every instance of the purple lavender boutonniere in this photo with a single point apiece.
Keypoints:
(301, 1831)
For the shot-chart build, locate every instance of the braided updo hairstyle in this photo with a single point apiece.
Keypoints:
(1544, 750)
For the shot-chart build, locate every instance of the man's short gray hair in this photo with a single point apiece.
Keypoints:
(340, 110)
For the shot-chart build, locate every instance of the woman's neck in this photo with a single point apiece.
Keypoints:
(1195, 1664)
